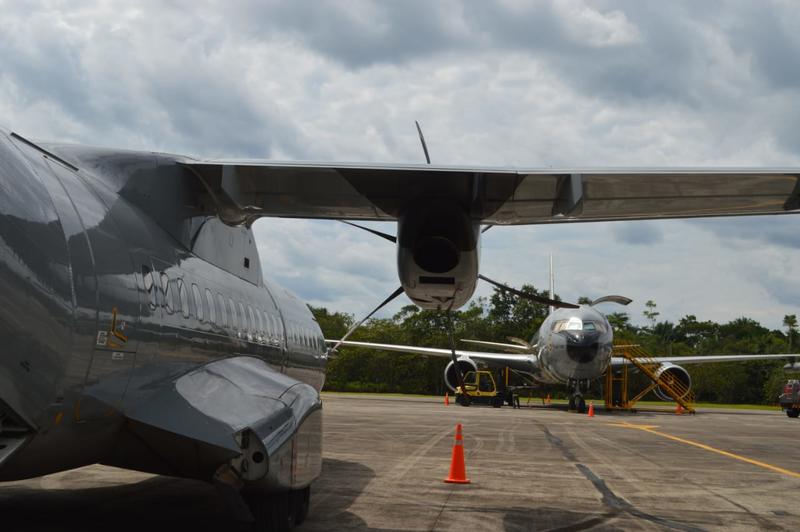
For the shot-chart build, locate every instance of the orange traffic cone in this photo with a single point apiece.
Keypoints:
(458, 471)
(591, 409)
(678, 410)
(446, 399)
(548, 401)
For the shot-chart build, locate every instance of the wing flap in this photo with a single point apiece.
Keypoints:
(708, 359)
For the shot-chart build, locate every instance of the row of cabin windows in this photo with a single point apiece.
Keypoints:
(255, 324)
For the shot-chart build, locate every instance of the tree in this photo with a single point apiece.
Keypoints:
(651, 314)
(790, 322)
(583, 300)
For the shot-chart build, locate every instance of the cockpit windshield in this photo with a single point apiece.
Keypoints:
(576, 324)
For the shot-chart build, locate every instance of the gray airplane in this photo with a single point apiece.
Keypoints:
(138, 330)
(572, 347)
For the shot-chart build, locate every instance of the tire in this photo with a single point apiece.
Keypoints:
(581, 405)
(497, 401)
(302, 502)
(793, 412)
(272, 512)
(464, 400)
(571, 403)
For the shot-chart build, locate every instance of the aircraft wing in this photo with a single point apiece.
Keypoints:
(245, 190)
(705, 359)
(513, 348)
(437, 352)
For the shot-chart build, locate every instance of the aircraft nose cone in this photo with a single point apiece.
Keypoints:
(582, 346)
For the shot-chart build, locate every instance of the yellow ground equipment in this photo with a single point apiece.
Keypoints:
(617, 381)
(480, 388)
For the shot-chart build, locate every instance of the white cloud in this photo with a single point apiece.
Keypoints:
(504, 83)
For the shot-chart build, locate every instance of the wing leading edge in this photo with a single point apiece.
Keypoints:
(247, 190)
(497, 358)
(706, 359)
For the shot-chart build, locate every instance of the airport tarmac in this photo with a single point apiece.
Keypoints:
(531, 469)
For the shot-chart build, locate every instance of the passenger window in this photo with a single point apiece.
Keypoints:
(242, 318)
(166, 289)
(198, 302)
(212, 310)
(223, 315)
(234, 319)
(184, 297)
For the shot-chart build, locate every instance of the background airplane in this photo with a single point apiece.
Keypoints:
(572, 347)
(138, 330)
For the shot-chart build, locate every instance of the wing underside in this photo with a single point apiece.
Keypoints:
(249, 190)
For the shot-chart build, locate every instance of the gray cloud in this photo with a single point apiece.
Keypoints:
(563, 83)
(637, 233)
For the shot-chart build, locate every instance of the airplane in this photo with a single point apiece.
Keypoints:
(572, 347)
(138, 329)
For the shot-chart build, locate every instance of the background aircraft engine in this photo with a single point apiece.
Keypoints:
(437, 255)
(450, 377)
(678, 375)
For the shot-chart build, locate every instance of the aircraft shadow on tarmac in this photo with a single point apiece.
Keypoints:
(166, 503)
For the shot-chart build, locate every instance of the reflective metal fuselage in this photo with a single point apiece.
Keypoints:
(117, 278)
(572, 346)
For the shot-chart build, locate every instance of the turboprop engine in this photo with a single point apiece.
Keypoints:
(682, 381)
(450, 376)
(438, 255)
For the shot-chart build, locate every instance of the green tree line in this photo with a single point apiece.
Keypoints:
(504, 316)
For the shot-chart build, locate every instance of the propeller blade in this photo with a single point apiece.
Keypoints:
(390, 238)
(422, 140)
(537, 299)
(620, 300)
(368, 316)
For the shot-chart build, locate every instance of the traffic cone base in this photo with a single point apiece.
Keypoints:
(458, 471)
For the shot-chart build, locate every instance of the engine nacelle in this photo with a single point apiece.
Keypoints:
(438, 255)
(674, 373)
(450, 377)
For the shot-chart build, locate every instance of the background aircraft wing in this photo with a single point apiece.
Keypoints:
(513, 348)
(705, 359)
(245, 190)
(437, 352)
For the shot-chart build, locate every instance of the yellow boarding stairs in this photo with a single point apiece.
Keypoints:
(642, 360)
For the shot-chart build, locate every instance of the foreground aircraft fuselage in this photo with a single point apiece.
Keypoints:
(137, 331)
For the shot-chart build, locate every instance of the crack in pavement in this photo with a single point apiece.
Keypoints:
(610, 499)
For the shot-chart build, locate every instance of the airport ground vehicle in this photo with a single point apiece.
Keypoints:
(790, 398)
(480, 388)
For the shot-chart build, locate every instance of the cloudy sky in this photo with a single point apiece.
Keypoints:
(505, 82)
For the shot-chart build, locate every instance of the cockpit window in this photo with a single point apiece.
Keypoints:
(576, 324)
(572, 324)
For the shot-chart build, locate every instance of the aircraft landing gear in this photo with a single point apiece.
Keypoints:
(278, 512)
(576, 400)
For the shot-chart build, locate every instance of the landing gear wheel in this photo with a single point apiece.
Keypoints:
(273, 512)
(464, 400)
(793, 412)
(581, 406)
(302, 502)
(497, 401)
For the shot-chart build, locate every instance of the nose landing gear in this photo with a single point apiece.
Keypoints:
(576, 400)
